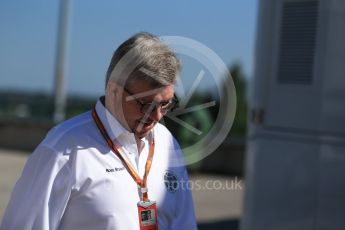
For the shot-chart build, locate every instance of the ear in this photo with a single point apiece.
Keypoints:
(112, 88)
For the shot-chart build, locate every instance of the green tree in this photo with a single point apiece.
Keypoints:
(239, 127)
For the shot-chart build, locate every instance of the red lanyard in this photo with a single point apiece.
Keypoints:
(141, 182)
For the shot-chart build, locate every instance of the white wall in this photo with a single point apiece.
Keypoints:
(295, 169)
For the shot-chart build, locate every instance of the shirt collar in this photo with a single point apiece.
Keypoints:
(115, 129)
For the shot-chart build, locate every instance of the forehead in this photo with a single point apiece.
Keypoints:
(143, 90)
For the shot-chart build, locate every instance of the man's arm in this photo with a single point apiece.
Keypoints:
(185, 216)
(41, 193)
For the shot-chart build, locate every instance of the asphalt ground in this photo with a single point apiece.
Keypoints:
(217, 198)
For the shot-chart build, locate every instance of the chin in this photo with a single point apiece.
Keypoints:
(145, 130)
(143, 134)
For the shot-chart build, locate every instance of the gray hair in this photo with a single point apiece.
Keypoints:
(144, 57)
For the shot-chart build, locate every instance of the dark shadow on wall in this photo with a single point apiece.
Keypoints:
(228, 224)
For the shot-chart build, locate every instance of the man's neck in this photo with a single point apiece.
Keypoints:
(139, 144)
(107, 104)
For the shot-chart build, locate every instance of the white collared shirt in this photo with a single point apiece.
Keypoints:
(73, 181)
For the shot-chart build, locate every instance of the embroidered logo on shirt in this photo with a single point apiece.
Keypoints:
(170, 181)
(116, 169)
(119, 169)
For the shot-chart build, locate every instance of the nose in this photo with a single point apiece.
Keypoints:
(156, 114)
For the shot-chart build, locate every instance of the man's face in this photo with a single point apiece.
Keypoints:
(136, 115)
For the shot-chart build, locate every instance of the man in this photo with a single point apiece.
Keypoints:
(108, 168)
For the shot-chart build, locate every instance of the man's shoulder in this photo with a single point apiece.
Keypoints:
(165, 141)
(162, 130)
(164, 136)
(69, 130)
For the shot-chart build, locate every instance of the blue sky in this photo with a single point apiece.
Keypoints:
(28, 36)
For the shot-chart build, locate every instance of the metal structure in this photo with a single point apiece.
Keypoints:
(295, 165)
(61, 61)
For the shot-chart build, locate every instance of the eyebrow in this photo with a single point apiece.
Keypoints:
(137, 96)
(156, 102)
(144, 94)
